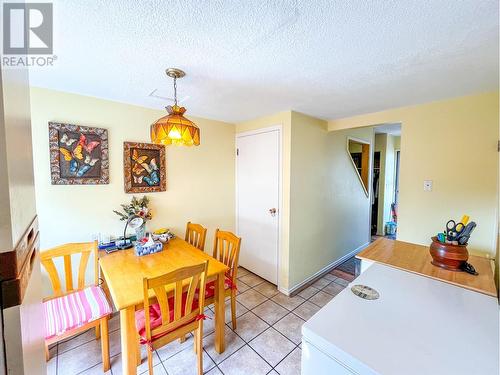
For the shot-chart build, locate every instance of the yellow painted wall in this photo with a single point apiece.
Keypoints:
(453, 143)
(308, 248)
(200, 180)
(329, 210)
(284, 120)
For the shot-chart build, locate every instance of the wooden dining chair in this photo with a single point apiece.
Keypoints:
(226, 250)
(195, 235)
(171, 316)
(75, 309)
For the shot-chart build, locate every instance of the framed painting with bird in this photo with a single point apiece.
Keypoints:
(144, 167)
(78, 154)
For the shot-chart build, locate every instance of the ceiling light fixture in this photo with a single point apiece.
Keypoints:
(174, 128)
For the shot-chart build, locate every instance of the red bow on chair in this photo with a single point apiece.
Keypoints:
(202, 317)
(229, 281)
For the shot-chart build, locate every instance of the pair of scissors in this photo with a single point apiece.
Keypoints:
(454, 229)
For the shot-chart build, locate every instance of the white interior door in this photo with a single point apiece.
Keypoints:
(257, 199)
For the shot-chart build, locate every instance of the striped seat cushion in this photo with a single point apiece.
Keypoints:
(74, 310)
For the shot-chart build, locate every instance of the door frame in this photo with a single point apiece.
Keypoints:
(279, 129)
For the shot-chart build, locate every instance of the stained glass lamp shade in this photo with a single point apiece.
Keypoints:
(175, 129)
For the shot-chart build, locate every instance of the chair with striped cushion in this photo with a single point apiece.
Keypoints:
(171, 316)
(226, 250)
(74, 310)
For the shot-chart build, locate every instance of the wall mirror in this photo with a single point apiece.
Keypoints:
(359, 153)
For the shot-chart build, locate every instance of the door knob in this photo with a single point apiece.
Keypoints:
(272, 211)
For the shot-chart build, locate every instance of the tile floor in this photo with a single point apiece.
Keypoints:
(266, 341)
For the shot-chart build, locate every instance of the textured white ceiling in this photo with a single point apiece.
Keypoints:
(244, 59)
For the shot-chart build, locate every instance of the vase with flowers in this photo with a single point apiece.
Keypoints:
(137, 207)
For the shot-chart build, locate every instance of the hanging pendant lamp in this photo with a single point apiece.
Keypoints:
(174, 128)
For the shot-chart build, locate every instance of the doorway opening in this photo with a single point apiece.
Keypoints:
(385, 180)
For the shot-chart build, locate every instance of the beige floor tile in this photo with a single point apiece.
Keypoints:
(96, 370)
(185, 362)
(272, 346)
(289, 303)
(214, 371)
(333, 289)
(157, 370)
(80, 358)
(308, 292)
(114, 343)
(77, 340)
(242, 271)
(116, 362)
(240, 310)
(251, 279)
(270, 312)
(209, 323)
(290, 326)
(175, 347)
(52, 363)
(114, 322)
(241, 287)
(244, 362)
(306, 310)
(250, 298)
(233, 343)
(291, 364)
(249, 326)
(267, 289)
(321, 283)
(321, 298)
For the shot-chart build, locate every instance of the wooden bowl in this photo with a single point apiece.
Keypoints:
(447, 256)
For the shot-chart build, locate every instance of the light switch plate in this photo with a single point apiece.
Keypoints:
(427, 185)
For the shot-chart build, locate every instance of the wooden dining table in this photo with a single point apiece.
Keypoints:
(124, 272)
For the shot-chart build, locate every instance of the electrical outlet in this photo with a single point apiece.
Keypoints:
(427, 185)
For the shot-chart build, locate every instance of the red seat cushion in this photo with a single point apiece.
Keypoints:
(74, 310)
(155, 317)
(210, 288)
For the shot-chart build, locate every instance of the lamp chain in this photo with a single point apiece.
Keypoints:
(175, 91)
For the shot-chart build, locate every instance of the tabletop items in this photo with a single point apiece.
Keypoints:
(457, 233)
(449, 248)
(147, 246)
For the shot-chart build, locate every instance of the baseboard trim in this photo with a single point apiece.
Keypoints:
(323, 271)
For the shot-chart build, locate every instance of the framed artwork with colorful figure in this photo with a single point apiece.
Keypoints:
(78, 154)
(144, 167)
